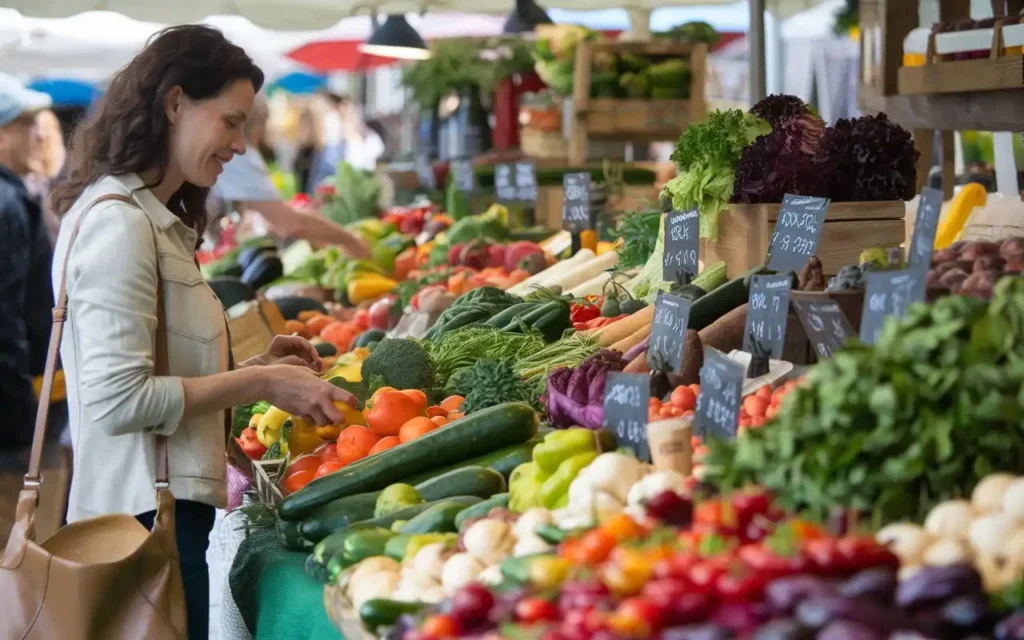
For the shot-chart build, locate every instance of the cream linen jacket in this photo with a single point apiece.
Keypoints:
(116, 404)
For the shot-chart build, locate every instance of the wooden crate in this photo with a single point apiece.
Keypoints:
(549, 202)
(850, 227)
(998, 71)
(644, 120)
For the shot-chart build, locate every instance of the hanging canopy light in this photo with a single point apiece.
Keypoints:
(525, 17)
(396, 39)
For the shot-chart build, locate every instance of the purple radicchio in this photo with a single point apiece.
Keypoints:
(575, 397)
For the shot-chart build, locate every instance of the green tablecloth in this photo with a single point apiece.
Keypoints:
(276, 598)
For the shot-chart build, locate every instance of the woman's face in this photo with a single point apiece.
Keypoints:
(206, 134)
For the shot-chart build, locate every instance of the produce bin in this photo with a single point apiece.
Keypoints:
(850, 227)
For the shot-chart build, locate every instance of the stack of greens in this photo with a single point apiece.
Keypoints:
(921, 417)
(356, 195)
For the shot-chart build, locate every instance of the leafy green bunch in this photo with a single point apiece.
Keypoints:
(706, 156)
(936, 405)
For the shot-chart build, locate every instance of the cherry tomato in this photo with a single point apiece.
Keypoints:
(638, 614)
(765, 561)
(750, 503)
(533, 609)
(823, 555)
(859, 553)
(305, 463)
(683, 397)
(666, 591)
(440, 626)
(764, 392)
(623, 527)
(740, 585)
(703, 575)
(628, 573)
(596, 545)
(676, 567)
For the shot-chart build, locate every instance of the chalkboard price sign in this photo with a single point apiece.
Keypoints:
(889, 293)
(504, 183)
(922, 244)
(462, 170)
(721, 387)
(576, 207)
(625, 410)
(824, 322)
(668, 333)
(795, 237)
(425, 172)
(681, 246)
(768, 309)
(526, 181)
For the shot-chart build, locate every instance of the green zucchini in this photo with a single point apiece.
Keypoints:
(440, 518)
(338, 514)
(485, 430)
(465, 481)
(715, 304)
(385, 613)
(289, 536)
(507, 315)
(370, 335)
(357, 547)
(324, 550)
(553, 324)
(481, 509)
(530, 318)
(504, 461)
(461, 481)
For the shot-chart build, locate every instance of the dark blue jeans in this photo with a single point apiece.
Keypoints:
(193, 524)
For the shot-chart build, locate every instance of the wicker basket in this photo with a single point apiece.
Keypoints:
(266, 474)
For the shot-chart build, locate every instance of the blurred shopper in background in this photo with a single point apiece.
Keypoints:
(309, 144)
(48, 166)
(247, 184)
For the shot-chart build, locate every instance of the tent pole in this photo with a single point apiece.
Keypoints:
(755, 51)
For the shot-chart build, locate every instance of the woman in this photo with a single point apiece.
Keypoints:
(308, 148)
(168, 123)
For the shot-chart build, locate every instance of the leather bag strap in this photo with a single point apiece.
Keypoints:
(32, 478)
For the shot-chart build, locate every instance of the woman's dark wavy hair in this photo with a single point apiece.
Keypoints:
(128, 132)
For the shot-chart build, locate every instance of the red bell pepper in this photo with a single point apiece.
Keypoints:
(250, 444)
(584, 312)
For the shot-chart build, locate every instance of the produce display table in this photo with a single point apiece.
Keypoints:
(273, 593)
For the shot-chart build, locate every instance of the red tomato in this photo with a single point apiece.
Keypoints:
(684, 398)
(296, 481)
(765, 392)
(703, 575)
(305, 463)
(695, 388)
(766, 562)
(864, 553)
(328, 468)
(823, 554)
(533, 609)
(440, 626)
(677, 566)
(708, 512)
(643, 611)
(596, 545)
(755, 406)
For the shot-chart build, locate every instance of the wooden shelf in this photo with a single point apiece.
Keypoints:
(634, 120)
(997, 72)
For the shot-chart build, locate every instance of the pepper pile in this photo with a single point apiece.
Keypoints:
(556, 463)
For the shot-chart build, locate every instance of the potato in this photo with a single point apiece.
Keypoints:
(974, 250)
(1013, 499)
(907, 540)
(1012, 250)
(944, 256)
(953, 278)
(947, 551)
(989, 532)
(988, 263)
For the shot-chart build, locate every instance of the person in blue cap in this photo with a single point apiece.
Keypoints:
(25, 254)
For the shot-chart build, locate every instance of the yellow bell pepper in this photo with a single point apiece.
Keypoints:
(352, 415)
(302, 438)
(970, 196)
(369, 287)
(268, 430)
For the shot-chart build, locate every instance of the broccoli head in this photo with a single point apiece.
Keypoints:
(403, 364)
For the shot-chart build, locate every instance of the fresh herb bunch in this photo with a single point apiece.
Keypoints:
(894, 429)
(488, 383)
(461, 348)
(638, 231)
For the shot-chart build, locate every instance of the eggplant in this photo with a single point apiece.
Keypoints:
(264, 269)
(966, 614)
(934, 585)
(816, 612)
(783, 629)
(847, 630)
(783, 594)
(697, 632)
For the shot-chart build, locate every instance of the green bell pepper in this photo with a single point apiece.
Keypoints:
(555, 489)
(559, 446)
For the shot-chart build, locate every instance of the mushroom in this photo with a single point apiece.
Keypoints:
(907, 540)
(950, 519)
(988, 494)
(947, 551)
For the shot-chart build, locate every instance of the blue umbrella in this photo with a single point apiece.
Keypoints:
(300, 82)
(67, 93)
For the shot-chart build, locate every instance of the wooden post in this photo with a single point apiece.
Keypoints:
(898, 18)
(923, 142)
(578, 140)
(948, 164)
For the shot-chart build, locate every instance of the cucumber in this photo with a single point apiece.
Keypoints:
(385, 613)
(507, 315)
(533, 316)
(465, 481)
(462, 481)
(338, 514)
(715, 304)
(553, 324)
(370, 335)
(485, 430)
(481, 509)
(440, 518)
(289, 536)
(503, 461)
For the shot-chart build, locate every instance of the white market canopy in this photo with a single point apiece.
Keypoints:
(315, 14)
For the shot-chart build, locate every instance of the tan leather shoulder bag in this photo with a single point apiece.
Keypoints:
(101, 578)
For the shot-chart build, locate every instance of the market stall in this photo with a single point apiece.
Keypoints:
(764, 410)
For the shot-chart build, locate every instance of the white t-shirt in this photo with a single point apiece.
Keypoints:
(364, 155)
